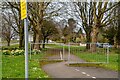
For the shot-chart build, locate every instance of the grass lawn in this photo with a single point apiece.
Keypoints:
(99, 57)
(11, 47)
(4, 42)
(113, 60)
(13, 67)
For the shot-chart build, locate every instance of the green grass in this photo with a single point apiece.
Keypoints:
(11, 47)
(99, 57)
(12, 41)
(15, 46)
(113, 60)
(13, 67)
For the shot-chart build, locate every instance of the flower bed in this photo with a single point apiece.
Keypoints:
(35, 51)
(18, 52)
(13, 52)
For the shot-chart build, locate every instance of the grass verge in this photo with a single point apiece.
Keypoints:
(113, 60)
(13, 67)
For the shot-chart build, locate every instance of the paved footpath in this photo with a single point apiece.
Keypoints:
(60, 70)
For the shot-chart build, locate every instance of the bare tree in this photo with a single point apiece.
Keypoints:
(14, 7)
(94, 15)
(100, 19)
(85, 11)
(37, 15)
(108, 31)
(7, 31)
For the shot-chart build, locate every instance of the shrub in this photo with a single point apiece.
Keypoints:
(17, 52)
(35, 51)
(13, 52)
(6, 52)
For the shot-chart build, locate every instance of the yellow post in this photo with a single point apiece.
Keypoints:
(23, 9)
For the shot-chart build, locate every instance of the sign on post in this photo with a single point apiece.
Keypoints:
(23, 9)
(23, 6)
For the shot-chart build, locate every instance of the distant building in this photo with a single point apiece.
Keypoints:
(30, 37)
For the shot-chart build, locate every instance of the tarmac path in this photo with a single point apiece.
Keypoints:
(61, 70)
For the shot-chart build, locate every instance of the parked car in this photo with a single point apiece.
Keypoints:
(104, 45)
(107, 45)
(99, 45)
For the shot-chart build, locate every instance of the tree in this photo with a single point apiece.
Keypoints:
(36, 15)
(118, 30)
(100, 19)
(68, 31)
(65, 34)
(14, 7)
(108, 30)
(38, 12)
(85, 11)
(48, 29)
(115, 25)
(81, 36)
(94, 15)
(72, 26)
(7, 31)
(108, 34)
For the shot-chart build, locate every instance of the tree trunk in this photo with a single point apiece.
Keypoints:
(34, 37)
(115, 42)
(47, 40)
(118, 31)
(94, 38)
(37, 40)
(21, 40)
(8, 43)
(21, 32)
(44, 42)
(88, 40)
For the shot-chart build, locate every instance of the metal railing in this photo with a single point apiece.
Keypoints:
(97, 53)
(74, 52)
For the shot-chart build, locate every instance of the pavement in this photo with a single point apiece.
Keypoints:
(61, 70)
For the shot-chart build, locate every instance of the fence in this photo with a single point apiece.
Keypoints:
(75, 52)
(97, 53)
(52, 51)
